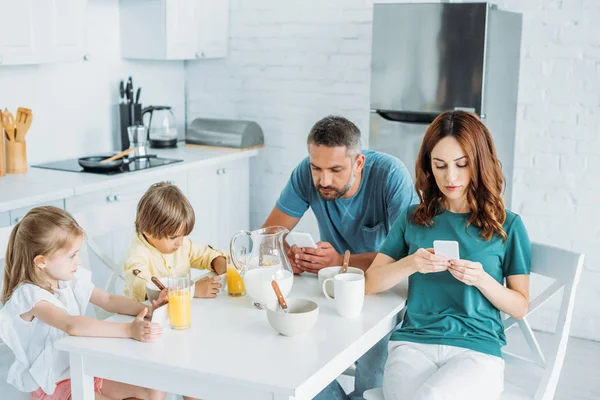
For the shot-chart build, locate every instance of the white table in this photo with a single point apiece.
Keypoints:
(231, 351)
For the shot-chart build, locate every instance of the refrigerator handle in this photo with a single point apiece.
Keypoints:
(410, 117)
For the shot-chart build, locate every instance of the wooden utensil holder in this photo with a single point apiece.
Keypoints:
(16, 157)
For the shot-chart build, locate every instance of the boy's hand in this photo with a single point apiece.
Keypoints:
(144, 331)
(219, 264)
(208, 287)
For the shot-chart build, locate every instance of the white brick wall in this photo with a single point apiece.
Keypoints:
(293, 62)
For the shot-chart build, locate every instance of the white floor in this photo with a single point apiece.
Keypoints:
(579, 377)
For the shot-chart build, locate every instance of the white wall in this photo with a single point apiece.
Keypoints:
(74, 104)
(291, 63)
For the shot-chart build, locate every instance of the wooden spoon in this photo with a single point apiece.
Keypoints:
(2, 164)
(9, 124)
(346, 261)
(154, 279)
(117, 156)
(279, 295)
(23, 123)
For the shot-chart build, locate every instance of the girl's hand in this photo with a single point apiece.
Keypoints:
(468, 272)
(163, 298)
(144, 331)
(208, 287)
(426, 261)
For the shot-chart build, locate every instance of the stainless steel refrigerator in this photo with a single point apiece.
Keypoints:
(432, 57)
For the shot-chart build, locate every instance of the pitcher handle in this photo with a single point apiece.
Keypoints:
(236, 262)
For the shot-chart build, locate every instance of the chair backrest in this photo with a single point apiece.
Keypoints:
(564, 268)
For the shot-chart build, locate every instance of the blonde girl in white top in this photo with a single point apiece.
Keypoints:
(45, 295)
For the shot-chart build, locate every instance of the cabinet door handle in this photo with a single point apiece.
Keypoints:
(116, 197)
(224, 171)
(219, 171)
(17, 220)
(109, 199)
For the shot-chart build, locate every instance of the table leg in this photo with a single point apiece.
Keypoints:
(82, 385)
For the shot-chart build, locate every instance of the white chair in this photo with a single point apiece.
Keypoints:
(564, 268)
(102, 224)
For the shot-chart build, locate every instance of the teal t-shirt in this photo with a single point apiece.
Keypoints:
(441, 309)
(359, 223)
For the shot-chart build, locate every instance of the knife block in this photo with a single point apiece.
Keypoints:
(16, 157)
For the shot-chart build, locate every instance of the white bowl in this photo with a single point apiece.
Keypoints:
(301, 318)
(152, 291)
(330, 272)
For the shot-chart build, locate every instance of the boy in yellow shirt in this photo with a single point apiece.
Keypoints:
(161, 247)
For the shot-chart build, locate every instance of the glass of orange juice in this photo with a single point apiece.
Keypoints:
(180, 302)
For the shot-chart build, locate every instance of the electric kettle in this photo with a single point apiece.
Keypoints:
(162, 131)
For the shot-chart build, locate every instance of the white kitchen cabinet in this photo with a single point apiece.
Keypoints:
(174, 29)
(41, 31)
(18, 44)
(66, 38)
(4, 219)
(17, 214)
(220, 197)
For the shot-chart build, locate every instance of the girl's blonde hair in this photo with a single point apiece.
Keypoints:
(42, 231)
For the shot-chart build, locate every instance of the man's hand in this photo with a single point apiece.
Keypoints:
(291, 254)
(312, 260)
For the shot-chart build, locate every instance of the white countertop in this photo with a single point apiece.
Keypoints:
(43, 185)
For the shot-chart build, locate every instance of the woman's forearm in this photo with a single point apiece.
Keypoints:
(504, 299)
(382, 276)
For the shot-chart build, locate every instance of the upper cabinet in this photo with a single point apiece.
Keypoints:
(42, 31)
(174, 29)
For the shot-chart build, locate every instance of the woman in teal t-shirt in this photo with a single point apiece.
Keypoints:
(448, 346)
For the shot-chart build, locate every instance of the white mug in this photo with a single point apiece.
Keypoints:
(349, 293)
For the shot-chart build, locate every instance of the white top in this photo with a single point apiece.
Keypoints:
(38, 364)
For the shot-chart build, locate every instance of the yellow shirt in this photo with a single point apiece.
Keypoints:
(151, 262)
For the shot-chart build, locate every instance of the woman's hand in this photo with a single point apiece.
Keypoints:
(468, 272)
(426, 261)
(144, 331)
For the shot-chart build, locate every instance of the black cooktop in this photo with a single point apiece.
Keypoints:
(131, 166)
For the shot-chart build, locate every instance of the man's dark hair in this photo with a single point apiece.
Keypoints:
(335, 131)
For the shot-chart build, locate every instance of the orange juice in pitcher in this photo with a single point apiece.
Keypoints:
(235, 283)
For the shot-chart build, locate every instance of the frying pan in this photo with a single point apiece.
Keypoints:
(93, 164)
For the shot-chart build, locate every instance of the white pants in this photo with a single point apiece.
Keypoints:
(417, 371)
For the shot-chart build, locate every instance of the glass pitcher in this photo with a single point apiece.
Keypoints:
(267, 262)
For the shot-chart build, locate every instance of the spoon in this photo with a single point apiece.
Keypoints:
(346, 261)
(282, 303)
(117, 156)
(154, 279)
